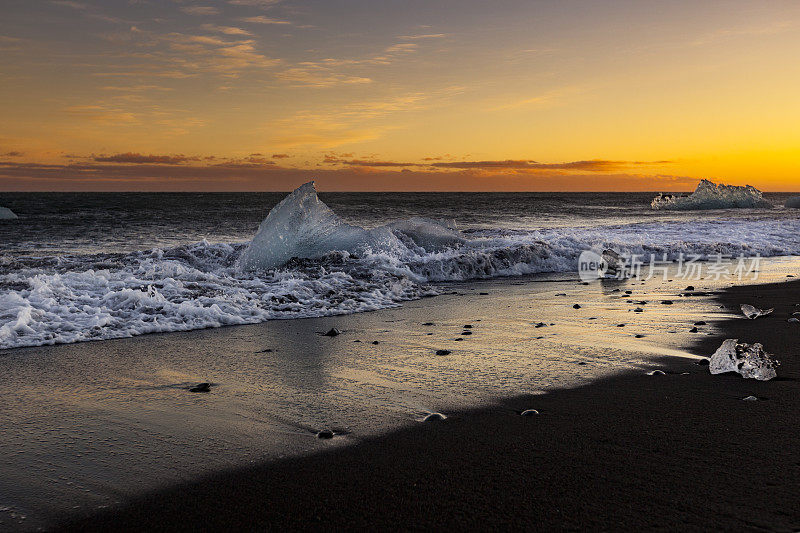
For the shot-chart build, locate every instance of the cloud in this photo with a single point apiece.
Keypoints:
(200, 10)
(227, 30)
(246, 176)
(103, 114)
(254, 3)
(318, 76)
(425, 36)
(69, 3)
(136, 158)
(280, 156)
(261, 19)
(12, 154)
(513, 165)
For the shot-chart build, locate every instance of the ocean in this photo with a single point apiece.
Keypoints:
(90, 266)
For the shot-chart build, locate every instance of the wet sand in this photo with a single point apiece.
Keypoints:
(675, 451)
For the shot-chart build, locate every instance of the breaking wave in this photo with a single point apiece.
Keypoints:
(306, 262)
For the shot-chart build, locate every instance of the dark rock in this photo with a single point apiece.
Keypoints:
(325, 434)
(576, 306)
(700, 323)
(667, 302)
(467, 326)
(693, 330)
(268, 350)
(458, 339)
(375, 342)
(333, 332)
(628, 292)
(620, 325)
(702, 362)
(201, 387)
(484, 293)
(638, 335)
(689, 288)
(466, 332)
(442, 352)
(638, 310)
(540, 325)
(434, 417)
(582, 363)
(428, 324)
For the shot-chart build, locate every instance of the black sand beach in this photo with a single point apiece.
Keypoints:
(675, 451)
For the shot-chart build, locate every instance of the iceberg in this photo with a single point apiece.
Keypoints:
(749, 360)
(302, 226)
(7, 214)
(710, 195)
(793, 202)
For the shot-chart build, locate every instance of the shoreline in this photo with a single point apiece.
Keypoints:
(629, 451)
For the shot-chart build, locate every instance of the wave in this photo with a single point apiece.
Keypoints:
(320, 271)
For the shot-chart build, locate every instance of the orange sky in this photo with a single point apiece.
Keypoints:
(398, 95)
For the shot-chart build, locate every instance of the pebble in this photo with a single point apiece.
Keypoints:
(325, 434)
(576, 306)
(666, 302)
(693, 330)
(656, 373)
(332, 332)
(201, 387)
(434, 417)
(442, 352)
(750, 398)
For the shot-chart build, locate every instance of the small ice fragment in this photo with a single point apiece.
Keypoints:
(749, 360)
(752, 312)
(434, 417)
(750, 398)
(794, 319)
(656, 373)
(529, 412)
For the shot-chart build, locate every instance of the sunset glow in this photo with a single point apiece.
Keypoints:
(414, 95)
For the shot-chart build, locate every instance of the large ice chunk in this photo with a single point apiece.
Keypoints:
(7, 214)
(749, 360)
(710, 195)
(303, 226)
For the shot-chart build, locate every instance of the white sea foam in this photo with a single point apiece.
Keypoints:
(334, 269)
(710, 195)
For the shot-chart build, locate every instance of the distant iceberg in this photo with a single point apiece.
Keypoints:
(794, 202)
(7, 214)
(303, 226)
(710, 195)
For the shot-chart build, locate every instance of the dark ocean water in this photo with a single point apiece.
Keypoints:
(125, 222)
(87, 266)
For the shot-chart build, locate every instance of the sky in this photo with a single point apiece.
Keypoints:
(411, 95)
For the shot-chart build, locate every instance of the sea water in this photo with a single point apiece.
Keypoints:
(92, 266)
